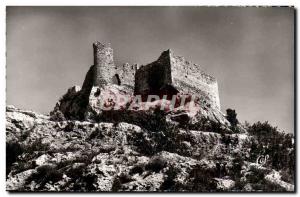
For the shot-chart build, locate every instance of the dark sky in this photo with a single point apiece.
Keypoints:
(249, 51)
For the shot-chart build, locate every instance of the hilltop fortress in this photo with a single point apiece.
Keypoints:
(128, 92)
(168, 75)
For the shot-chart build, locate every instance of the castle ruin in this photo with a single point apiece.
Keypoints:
(168, 75)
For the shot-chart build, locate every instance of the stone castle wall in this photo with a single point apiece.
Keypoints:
(167, 75)
(126, 74)
(104, 70)
(189, 76)
(175, 72)
(154, 76)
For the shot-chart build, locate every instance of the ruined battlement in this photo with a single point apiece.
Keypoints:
(126, 73)
(169, 74)
(180, 64)
(187, 76)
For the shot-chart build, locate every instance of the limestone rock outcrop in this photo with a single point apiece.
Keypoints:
(156, 127)
(71, 155)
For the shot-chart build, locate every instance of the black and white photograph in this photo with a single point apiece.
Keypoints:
(150, 99)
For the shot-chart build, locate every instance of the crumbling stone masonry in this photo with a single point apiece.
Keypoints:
(105, 72)
(171, 74)
(104, 64)
(168, 75)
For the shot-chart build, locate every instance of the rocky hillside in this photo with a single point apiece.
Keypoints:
(156, 127)
(69, 155)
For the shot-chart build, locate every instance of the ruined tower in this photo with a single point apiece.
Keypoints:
(104, 64)
(103, 70)
(168, 75)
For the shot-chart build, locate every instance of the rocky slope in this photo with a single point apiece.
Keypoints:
(70, 155)
(156, 127)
